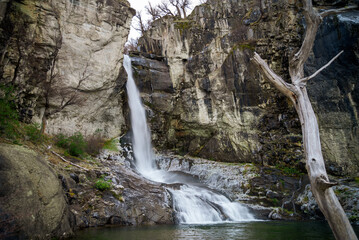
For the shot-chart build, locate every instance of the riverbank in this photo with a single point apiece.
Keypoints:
(110, 192)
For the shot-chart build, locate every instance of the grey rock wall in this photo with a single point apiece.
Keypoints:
(223, 109)
(84, 41)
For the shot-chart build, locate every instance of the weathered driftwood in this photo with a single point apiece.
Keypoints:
(63, 159)
(296, 91)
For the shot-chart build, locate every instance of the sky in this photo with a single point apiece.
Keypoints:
(139, 5)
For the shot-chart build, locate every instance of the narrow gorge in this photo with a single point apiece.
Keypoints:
(181, 131)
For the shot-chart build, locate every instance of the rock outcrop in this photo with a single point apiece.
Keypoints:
(39, 200)
(221, 108)
(271, 192)
(130, 200)
(32, 202)
(56, 50)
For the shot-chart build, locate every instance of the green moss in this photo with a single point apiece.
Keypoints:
(274, 201)
(102, 184)
(250, 45)
(111, 145)
(27, 8)
(183, 25)
(286, 211)
(288, 171)
(148, 104)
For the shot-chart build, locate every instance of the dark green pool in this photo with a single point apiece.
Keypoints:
(266, 230)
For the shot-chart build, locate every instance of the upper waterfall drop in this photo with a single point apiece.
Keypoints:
(141, 139)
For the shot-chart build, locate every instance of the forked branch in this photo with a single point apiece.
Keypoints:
(285, 88)
(312, 19)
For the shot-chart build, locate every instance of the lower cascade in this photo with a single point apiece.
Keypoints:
(192, 202)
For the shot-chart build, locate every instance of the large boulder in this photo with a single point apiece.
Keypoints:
(32, 202)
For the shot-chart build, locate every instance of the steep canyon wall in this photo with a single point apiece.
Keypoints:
(57, 50)
(216, 105)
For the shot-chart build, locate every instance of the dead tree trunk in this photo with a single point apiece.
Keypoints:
(297, 92)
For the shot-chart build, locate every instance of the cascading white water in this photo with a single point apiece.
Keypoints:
(141, 139)
(193, 204)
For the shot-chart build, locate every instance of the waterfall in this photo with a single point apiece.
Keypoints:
(141, 140)
(193, 204)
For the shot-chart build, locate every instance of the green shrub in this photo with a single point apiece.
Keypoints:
(74, 145)
(62, 141)
(77, 145)
(33, 132)
(103, 185)
(8, 115)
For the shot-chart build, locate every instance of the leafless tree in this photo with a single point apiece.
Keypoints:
(184, 5)
(181, 6)
(153, 11)
(140, 23)
(168, 7)
(296, 91)
(165, 9)
(63, 95)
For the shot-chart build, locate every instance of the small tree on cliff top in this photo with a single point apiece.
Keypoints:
(296, 91)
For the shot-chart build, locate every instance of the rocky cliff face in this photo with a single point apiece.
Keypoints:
(64, 49)
(221, 108)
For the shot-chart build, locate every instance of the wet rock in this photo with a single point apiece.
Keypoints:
(275, 215)
(75, 177)
(347, 193)
(271, 194)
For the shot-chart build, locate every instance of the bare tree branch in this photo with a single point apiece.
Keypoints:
(153, 11)
(284, 87)
(184, 5)
(312, 19)
(141, 25)
(336, 11)
(67, 161)
(320, 185)
(321, 69)
(165, 9)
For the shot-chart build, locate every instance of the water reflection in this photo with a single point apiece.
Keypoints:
(270, 230)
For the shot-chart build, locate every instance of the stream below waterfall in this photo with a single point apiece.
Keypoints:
(193, 203)
(265, 230)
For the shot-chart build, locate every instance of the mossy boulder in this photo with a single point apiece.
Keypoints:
(32, 202)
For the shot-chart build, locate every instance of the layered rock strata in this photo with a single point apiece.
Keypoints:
(221, 108)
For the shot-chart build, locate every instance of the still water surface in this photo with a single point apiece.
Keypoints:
(265, 230)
